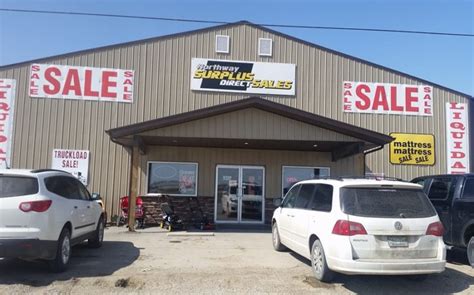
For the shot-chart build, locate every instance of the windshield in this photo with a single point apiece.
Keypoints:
(13, 186)
(386, 202)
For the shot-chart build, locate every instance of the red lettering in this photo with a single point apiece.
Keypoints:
(3, 152)
(457, 144)
(54, 86)
(35, 76)
(365, 103)
(35, 68)
(427, 97)
(72, 83)
(128, 74)
(347, 100)
(393, 99)
(456, 106)
(3, 94)
(3, 138)
(129, 82)
(427, 89)
(458, 165)
(457, 155)
(380, 98)
(347, 92)
(33, 91)
(457, 135)
(457, 115)
(127, 89)
(88, 85)
(347, 107)
(4, 106)
(410, 99)
(106, 83)
(127, 96)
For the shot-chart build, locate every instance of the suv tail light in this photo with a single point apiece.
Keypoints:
(435, 229)
(348, 228)
(37, 206)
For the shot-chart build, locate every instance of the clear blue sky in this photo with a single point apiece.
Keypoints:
(448, 61)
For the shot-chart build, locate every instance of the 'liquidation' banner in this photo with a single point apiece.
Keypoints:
(242, 77)
(7, 100)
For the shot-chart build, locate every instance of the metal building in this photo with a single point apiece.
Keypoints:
(233, 114)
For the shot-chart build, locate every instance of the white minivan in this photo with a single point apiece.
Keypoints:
(361, 226)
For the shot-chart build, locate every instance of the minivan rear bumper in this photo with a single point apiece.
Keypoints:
(27, 248)
(387, 267)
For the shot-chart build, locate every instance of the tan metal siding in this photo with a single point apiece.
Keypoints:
(273, 161)
(250, 124)
(162, 88)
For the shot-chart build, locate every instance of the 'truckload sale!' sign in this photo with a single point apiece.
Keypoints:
(380, 98)
(243, 77)
(75, 162)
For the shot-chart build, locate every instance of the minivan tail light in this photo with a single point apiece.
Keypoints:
(348, 228)
(36, 206)
(435, 229)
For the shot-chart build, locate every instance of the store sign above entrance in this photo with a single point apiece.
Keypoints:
(380, 98)
(242, 76)
(412, 149)
(70, 82)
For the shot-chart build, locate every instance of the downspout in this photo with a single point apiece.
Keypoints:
(372, 150)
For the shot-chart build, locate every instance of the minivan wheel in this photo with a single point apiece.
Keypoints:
(318, 263)
(277, 245)
(63, 252)
(98, 238)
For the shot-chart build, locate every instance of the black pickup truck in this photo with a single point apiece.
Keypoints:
(453, 198)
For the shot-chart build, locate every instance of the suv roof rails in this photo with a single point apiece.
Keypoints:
(48, 170)
(370, 177)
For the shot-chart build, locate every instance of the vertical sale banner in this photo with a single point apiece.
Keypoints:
(7, 100)
(457, 135)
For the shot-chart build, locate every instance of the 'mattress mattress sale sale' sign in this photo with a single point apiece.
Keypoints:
(7, 100)
(242, 76)
(70, 82)
(381, 98)
(457, 134)
(75, 162)
(412, 149)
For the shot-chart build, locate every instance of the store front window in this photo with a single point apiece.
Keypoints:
(172, 178)
(293, 174)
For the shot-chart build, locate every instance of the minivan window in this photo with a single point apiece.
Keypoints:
(386, 202)
(468, 191)
(304, 196)
(63, 186)
(322, 198)
(441, 188)
(290, 198)
(17, 186)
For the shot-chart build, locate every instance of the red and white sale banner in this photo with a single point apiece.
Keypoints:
(382, 98)
(71, 82)
(457, 135)
(7, 101)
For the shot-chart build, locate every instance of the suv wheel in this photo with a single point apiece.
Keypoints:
(318, 263)
(96, 241)
(63, 252)
(277, 245)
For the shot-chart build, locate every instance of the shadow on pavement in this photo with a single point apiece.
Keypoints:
(448, 282)
(85, 262)
(457, 256)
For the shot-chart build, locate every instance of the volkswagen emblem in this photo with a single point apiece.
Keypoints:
(398, 225)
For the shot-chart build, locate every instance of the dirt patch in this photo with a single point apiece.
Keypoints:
(313, 282)
(122, 283)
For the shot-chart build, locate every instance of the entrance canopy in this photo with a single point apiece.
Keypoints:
(252, 123)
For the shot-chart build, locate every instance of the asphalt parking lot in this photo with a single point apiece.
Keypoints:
(226, 262)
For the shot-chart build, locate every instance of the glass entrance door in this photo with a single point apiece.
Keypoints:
(239, 194)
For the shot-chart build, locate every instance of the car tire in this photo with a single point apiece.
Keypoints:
(277, 245)
(319, 264)
(98, 238)
(63, 252)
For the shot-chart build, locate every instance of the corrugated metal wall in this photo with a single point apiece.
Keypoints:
(273, 161)
(162, 88)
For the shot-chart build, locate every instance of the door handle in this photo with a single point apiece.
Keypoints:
(75, 207)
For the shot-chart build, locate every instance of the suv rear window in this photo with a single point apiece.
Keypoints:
(16, 186)
(386, 202)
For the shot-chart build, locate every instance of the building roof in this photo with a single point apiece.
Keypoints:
(228, 25)
(373, 137)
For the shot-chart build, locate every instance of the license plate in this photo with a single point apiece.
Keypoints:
(397, 241)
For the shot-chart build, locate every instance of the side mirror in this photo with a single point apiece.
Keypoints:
(277, 202)
(96, 196)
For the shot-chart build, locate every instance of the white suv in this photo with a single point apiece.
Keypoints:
(361, 226)
(45, 212)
